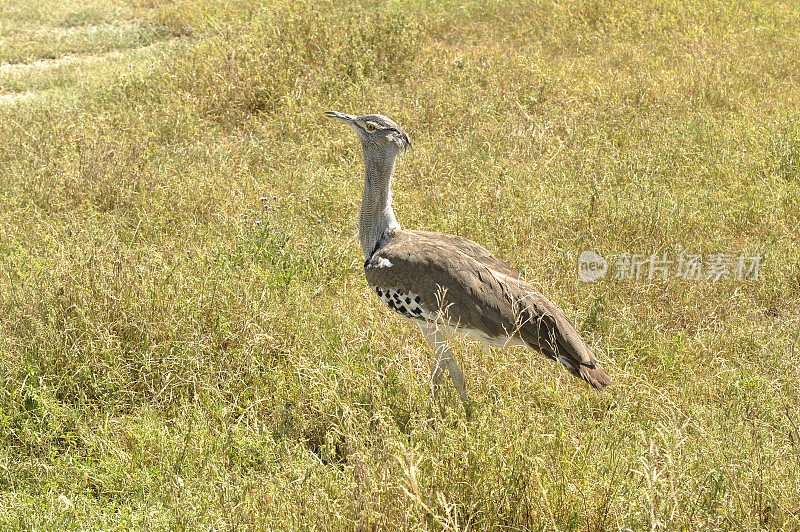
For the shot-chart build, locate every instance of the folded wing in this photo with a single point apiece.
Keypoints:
(466, 287)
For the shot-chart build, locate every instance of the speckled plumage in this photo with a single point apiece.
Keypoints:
(406, 303)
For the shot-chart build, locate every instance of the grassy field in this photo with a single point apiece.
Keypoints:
(187, 341)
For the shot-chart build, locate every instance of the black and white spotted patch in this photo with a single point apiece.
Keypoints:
(408, 304)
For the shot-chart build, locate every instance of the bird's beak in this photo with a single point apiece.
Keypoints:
(340, 116)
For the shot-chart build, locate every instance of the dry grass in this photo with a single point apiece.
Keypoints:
(178, 353)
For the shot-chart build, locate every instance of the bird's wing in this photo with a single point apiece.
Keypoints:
(472, 289)
(468, 248)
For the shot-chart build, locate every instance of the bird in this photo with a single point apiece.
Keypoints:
(448, 285)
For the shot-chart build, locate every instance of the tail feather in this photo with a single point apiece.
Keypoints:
(583, 363)
(552, 333)
(591, 372)
(596, 376)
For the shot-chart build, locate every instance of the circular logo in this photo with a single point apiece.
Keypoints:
(591, 266)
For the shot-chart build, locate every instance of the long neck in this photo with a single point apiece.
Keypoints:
(376, 216)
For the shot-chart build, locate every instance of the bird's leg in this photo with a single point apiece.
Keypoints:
(436, 378)
(443, 356)
(457, 376)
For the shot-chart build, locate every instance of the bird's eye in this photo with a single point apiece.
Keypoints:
(370, 126)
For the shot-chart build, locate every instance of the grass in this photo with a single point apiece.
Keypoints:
(179, 353)
(37, 29)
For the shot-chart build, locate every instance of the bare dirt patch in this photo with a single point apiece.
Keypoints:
(21, 70)
(44, 64)
(16, 97)
(73, 59)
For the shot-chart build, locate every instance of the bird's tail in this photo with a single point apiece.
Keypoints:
(551, 332)
(590, 372)
(595, 375)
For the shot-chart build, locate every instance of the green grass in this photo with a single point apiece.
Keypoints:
(38, 29)
(177, 353)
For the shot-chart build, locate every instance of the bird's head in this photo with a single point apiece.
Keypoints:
(376, 132)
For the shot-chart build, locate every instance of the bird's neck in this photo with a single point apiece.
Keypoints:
(376, 216)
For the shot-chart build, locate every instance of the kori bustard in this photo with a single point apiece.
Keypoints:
(445, 283)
